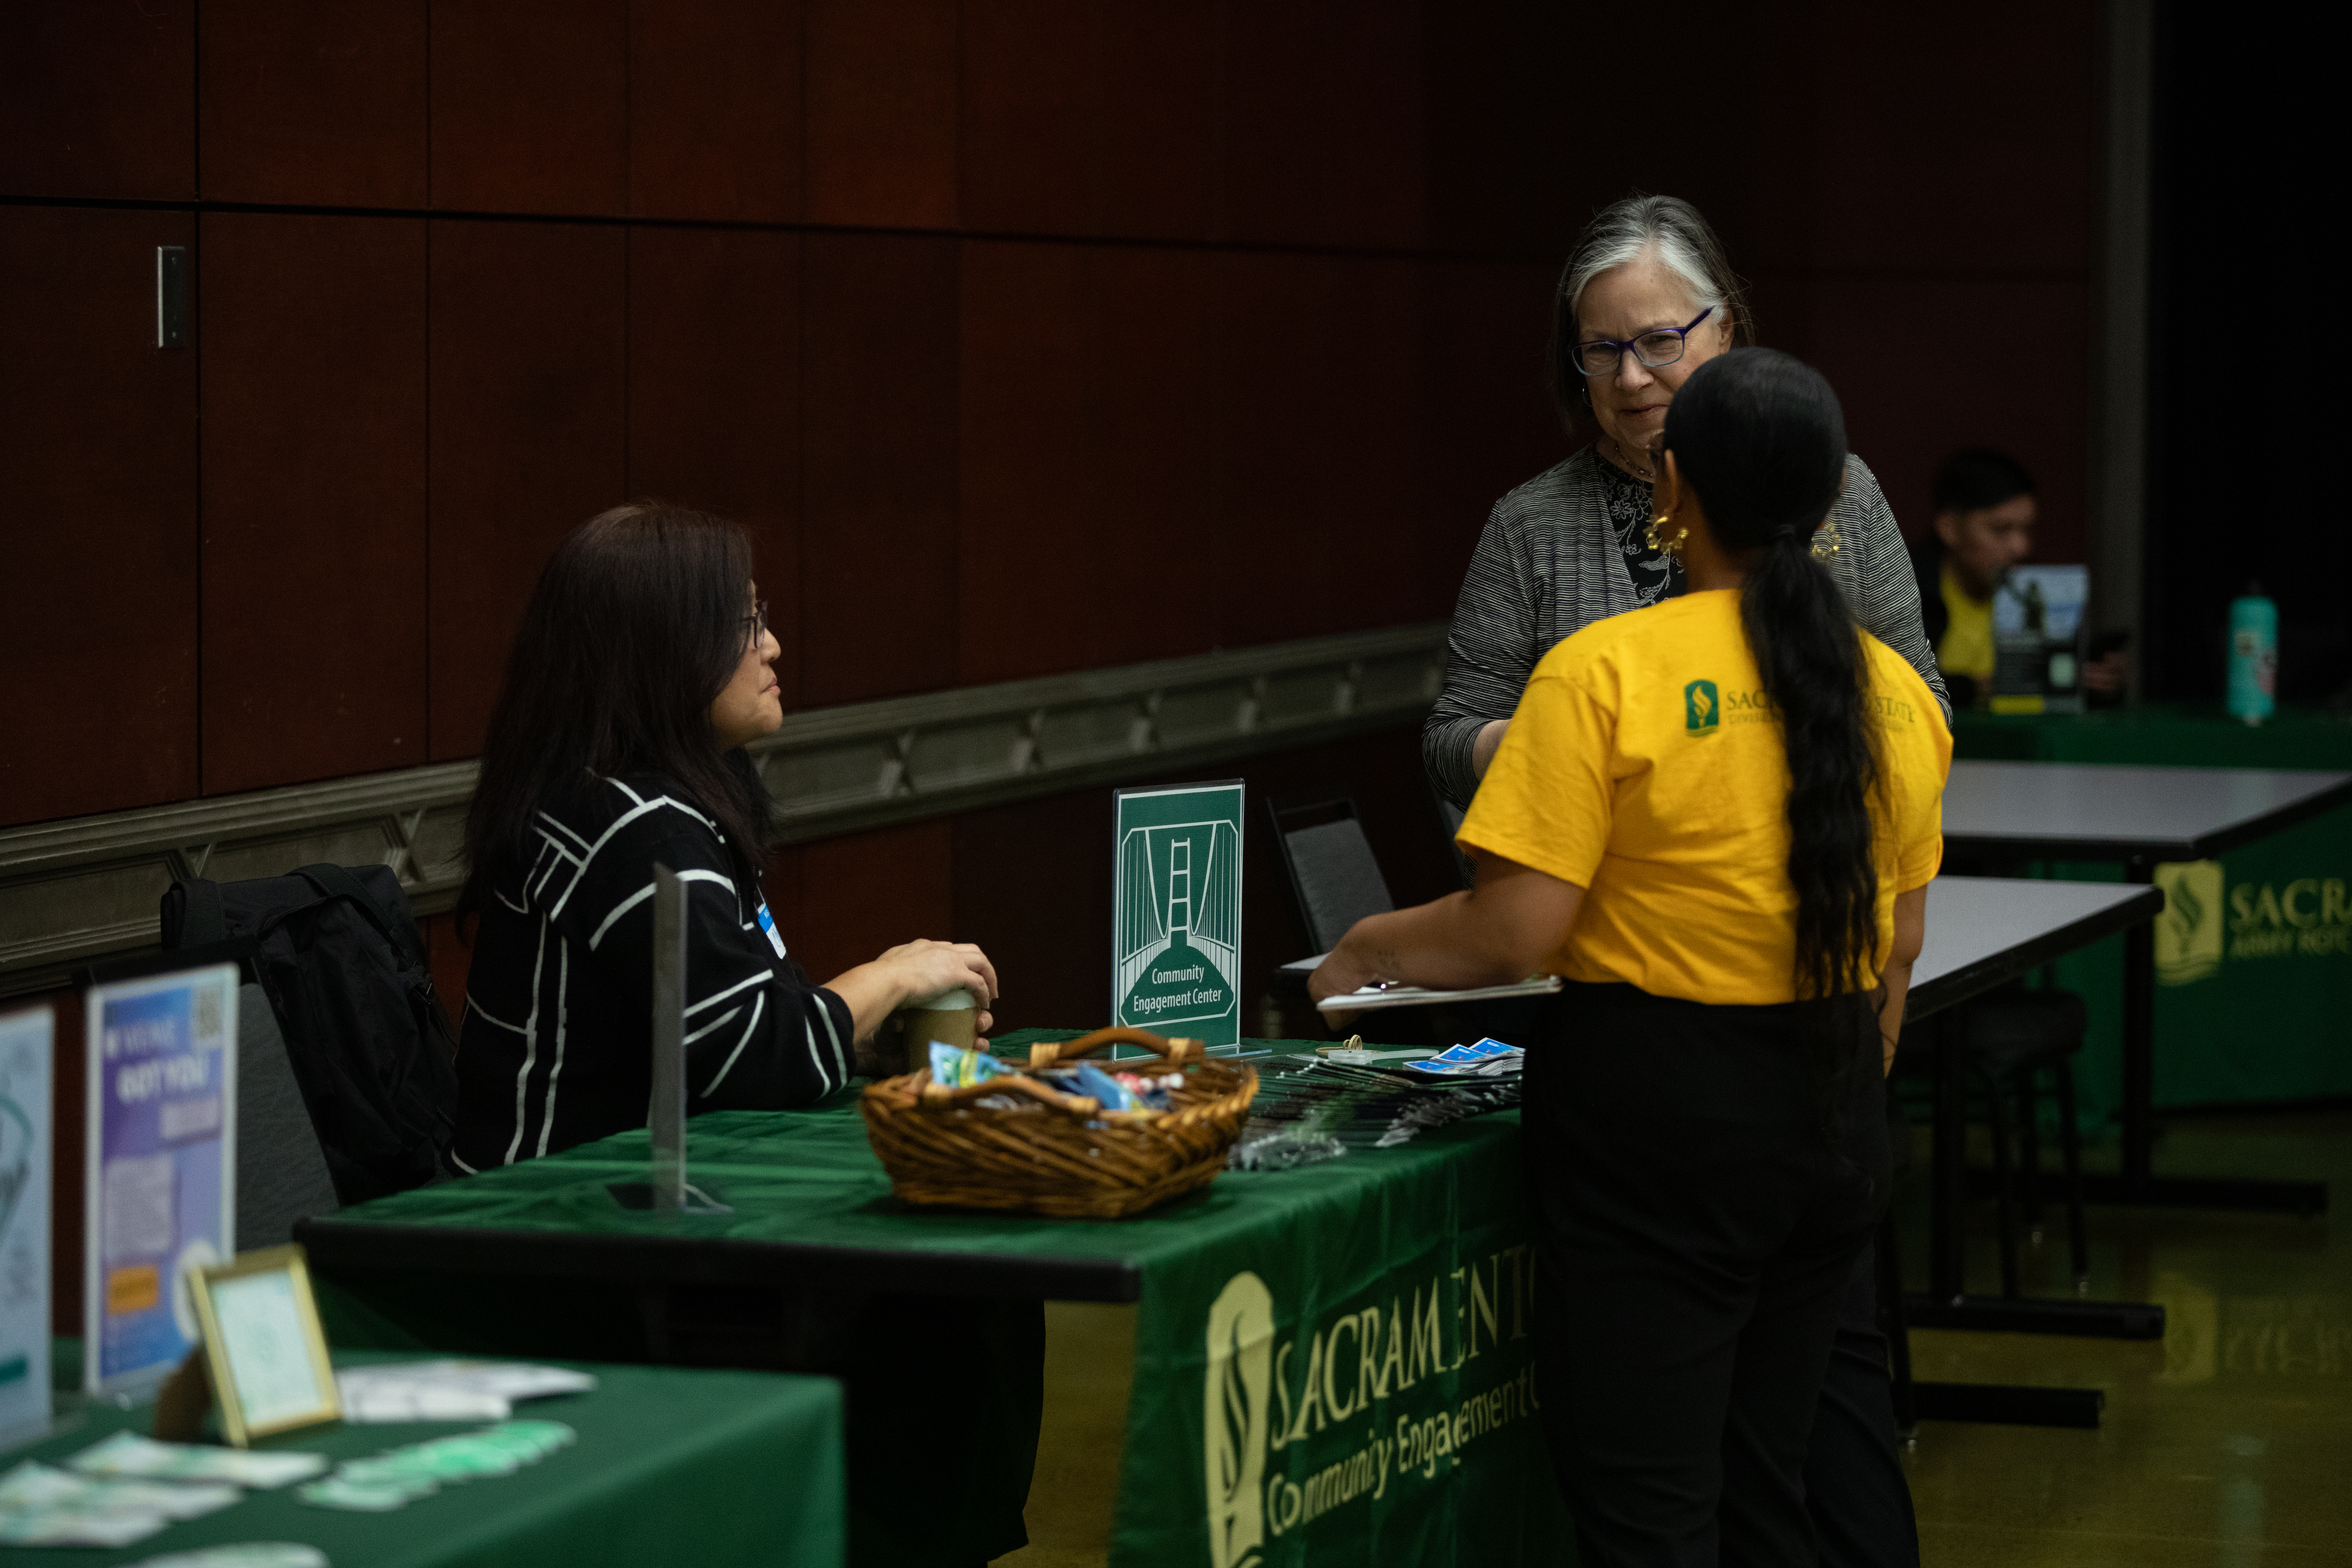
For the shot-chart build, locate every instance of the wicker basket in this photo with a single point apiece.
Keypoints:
(1068, 1157)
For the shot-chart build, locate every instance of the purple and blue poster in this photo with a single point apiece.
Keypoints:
(160, 1187)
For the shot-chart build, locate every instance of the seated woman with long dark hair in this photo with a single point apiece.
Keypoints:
(1717, 820)
(640, 672)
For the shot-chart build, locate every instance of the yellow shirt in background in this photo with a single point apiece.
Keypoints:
(1967, 647)
(1644, 764)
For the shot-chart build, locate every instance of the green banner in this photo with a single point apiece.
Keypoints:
(1356, 1388)
(1176, 898)
(2253, 952)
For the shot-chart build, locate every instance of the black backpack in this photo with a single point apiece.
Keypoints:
(337, 953)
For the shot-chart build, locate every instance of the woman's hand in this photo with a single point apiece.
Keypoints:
(912, 971)
(1343, 969)
(924, 969)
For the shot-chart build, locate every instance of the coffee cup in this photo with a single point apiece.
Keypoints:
(951, 1018)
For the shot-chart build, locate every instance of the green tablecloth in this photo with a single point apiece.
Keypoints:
(705, 1468)
(1334, 1361)
(2254, 954)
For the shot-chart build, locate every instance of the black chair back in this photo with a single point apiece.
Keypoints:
(1334, 875)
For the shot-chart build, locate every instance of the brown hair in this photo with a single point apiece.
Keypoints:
(636, 626)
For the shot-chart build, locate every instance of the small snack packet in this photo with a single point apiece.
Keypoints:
(952, 1068)
(1085, 1078)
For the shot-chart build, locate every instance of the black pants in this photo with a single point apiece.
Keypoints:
(1856, 1490)
(1703, 1192)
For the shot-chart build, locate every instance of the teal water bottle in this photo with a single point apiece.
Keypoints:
(2253, 655)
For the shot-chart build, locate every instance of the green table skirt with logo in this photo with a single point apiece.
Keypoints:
(1332, 1364)
(2253, 952)
(706, 1468)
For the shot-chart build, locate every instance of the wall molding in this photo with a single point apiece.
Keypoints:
(87, 887)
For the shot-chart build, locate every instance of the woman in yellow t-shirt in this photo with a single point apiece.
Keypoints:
(1717, 820)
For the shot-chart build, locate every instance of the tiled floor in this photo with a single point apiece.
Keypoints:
(2228, 1445)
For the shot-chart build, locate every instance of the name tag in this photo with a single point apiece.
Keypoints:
(768, 924)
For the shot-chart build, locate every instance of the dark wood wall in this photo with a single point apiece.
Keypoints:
(1023, 337)
(979, 316)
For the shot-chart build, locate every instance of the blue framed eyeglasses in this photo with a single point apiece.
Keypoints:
(1656, 349)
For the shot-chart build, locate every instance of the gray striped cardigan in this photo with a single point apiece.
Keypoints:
(1548, 565)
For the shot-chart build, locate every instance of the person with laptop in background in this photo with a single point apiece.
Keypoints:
(1986, 512)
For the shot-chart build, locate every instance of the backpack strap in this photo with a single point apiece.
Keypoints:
(337, 883)
(202, 921)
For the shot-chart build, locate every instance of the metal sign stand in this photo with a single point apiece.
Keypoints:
(669, 1191)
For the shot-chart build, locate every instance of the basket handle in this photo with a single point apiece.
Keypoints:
(1178, 1051)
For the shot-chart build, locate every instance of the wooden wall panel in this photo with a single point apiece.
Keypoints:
(1485, 418)
(868, 892)
(529, 352)
(1088, 476)
(314, 454)
(715, 110)
(320, 102)
(1271, 426)
(530, 101)
(1320, 133)
(98, 602)
(1156, 448)
(1977, 154)
(878, 465)
(1504, 127)
(1903, 423)
(881, 95)
(1368, 474)
(1032, 507)
(715, 396)
(1084, 117)
(97, 99)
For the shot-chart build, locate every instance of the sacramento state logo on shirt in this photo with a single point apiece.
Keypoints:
(1702, 708)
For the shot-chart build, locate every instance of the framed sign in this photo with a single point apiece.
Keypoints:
(263, 1346)
(1176, 904)
(159, 1166)
(26, 1050)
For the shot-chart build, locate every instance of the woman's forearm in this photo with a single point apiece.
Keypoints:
(1440, 944)
(1897, 981)
(1490, 935)
(871, 992)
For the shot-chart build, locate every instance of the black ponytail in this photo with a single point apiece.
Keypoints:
(1761, 439)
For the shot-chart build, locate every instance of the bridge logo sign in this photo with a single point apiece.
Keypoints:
(1176, 904)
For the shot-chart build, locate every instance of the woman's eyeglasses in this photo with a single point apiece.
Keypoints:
(1656, 350)
(758, 621)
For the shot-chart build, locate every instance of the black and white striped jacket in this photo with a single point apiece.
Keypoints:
(1549, 565)
(558, 1034)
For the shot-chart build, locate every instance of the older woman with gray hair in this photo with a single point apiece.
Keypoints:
(1646, 298)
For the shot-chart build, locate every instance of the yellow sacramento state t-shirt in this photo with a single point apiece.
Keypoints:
(1645, 764)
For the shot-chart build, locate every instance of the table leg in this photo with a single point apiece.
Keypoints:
(1946, 1304)
(2139, 1184)
(1947, 1221)
(2139, 1038)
